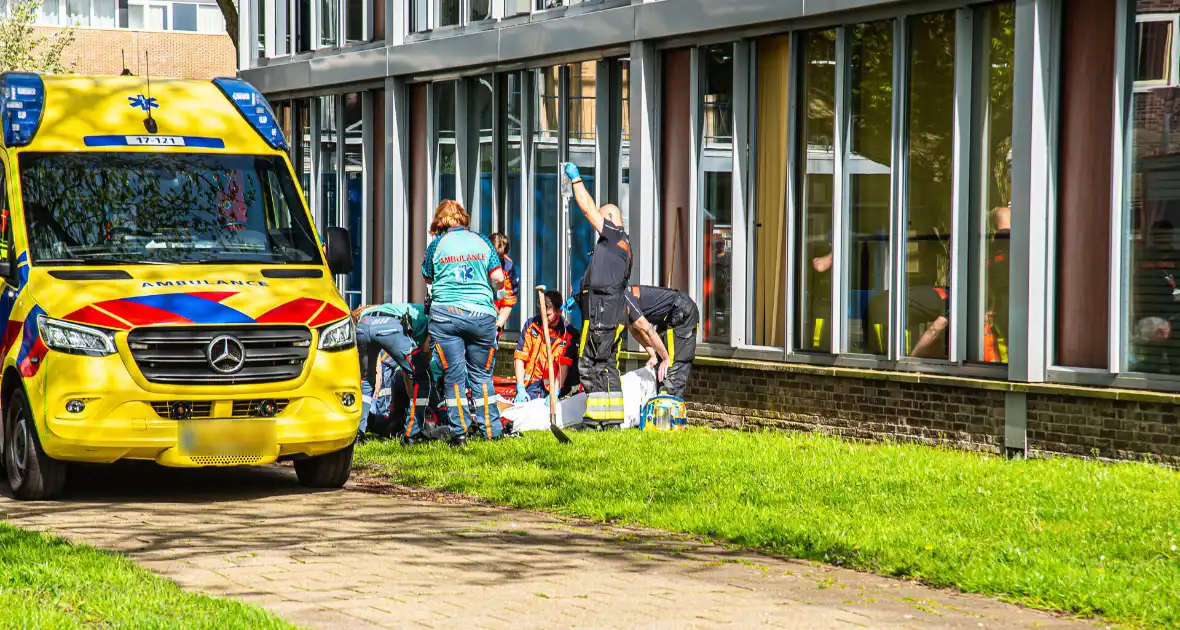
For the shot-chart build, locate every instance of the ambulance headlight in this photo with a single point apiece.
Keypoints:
(338, 336)
(75, 339)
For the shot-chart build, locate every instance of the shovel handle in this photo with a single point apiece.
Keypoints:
(544, 306)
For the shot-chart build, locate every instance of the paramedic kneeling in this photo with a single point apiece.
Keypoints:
(675, 316)
(399, 330)
(604, 308)
(532, 367)
(464, 273)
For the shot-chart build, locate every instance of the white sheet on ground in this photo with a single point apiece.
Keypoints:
(638, 387)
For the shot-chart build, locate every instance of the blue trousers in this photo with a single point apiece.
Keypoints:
(376, 333)
(465, 347)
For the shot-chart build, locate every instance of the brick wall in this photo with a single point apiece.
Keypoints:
(173, 55)
(946, 411)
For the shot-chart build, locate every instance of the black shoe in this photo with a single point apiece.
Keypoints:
(414, 441)
(458, 441)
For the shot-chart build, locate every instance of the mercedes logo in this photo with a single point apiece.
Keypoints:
(226, 354)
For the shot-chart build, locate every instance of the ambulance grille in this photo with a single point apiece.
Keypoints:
(179, 355)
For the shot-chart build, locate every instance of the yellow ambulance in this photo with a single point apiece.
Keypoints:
(165, 294)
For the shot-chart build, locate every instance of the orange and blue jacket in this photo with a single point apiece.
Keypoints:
(531, 349)
(506, 296)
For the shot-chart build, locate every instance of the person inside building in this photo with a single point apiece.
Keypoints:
(400, 330)
(927, 318)
(506, 297)
(463, 274)
(675, 317)
(531, 361)
(604, 308)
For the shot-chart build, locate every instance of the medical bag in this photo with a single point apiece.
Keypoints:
(663, 413)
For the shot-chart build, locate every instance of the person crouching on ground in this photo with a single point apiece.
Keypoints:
(531, 362)
(676, 316)
(401, 331)
(463, 272)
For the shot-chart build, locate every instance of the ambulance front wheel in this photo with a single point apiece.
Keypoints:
(325, 471)
(32, 475)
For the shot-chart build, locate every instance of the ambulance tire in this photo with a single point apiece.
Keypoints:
(32, 475)
(325, 471)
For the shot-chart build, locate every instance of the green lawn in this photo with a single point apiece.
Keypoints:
(1063, 534)
(46, 582)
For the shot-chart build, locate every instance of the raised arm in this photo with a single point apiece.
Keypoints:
(582, 196)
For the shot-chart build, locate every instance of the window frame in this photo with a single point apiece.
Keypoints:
(1173, 78)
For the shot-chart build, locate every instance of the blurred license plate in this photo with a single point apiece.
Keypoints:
(223, 437)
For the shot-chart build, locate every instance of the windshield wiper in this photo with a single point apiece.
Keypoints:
(98, 261)
(236, 261)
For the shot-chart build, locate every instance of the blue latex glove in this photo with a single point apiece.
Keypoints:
(522, 396)
(571, 172)
(569, 305)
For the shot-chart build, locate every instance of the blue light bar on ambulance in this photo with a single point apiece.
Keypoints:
(22, 97)
(255, 109)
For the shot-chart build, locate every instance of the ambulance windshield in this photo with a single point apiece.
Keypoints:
(163, 208)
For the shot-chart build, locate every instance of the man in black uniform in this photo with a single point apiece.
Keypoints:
(604, 308)
(676, 316)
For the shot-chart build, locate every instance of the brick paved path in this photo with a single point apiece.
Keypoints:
(380, 556)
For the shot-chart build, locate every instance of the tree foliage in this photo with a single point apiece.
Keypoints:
(23, 48)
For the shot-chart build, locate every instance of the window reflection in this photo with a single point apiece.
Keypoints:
(717, 191)
(869, 165)
(328, 212)
(511, 200)
(481, 114)
(448, 12)
(1153, 210)
(446, 158)
(548, 241)
(817, 133)
(329, 23)
(583, 84)
(930, 197)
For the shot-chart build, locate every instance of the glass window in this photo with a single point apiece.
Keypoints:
(481, 113)
(103, 14)
(547, 207)
(329, 23)
(869, 164)
(354, 26)
(992, 204)
(716, 197)
(283, 11)
(354, 191)
(817, 129)
(1153, 44)
(50, 13)
(768, 231)
(511, 201)
(303, 22)
(78, 12)
(517, 7)
(210, 20)
(580, 147)
(446, 160)
(448, 13)
(481, 10)
(929, 175)
(184, 18)
(548, 4)
(1153, 212)
(327, 214)
(419, 13)
(129, 208)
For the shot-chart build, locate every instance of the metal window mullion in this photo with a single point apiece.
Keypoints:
(270, 27)
(563, 155)
(463, 153)
(314, 6)
(691, 220)
(499, 141)
(739, 113)
(341, 182)
(366, 236)
(432, 144)
(528, 91)
(1119, 272)
(895, 275)
(604, 120)
(795, 69)
(839, 270)
(961, 182)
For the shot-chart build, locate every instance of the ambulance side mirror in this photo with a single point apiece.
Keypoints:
(338, 249)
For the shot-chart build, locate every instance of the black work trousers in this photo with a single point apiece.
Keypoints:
(598, 363)
(681, 340)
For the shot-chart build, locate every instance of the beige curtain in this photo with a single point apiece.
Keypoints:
(770, 247)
